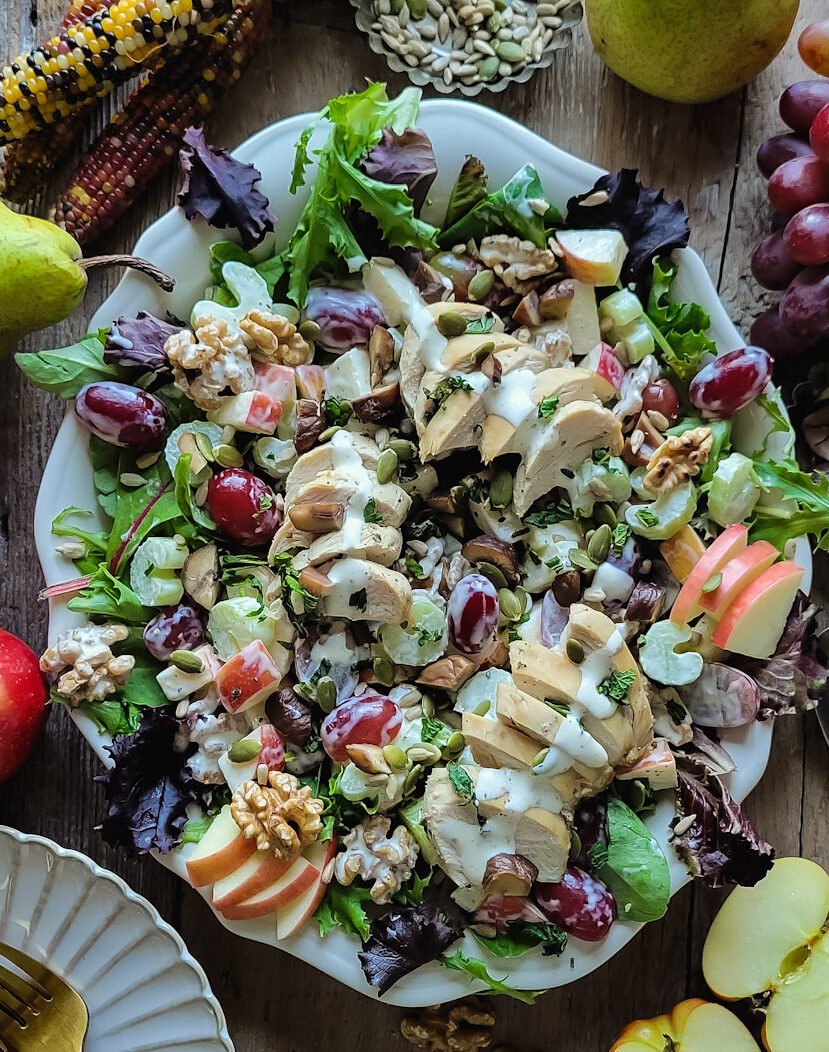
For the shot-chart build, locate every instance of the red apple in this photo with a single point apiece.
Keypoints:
(595, 257)
(252, 411)
(754, 622)
(247, 678)
(221, 851)
(23, 703)
(276, 381)
(608, 369)
(657, 767)
(730, 543)
(737, 575)
(271, 753)
(290, 918)
(282, 890)
(310, 380)
(259, 872)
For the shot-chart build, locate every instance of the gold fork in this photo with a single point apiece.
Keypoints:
(41, 1012)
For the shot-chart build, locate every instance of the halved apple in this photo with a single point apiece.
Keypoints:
(248, 678)
(737, 575)
(692, 1026)
(593, 256)
(727, 546)
(769, 939)
(220, 852)
(754, 622)
(251, 411)
(297, 875)
(290, 918)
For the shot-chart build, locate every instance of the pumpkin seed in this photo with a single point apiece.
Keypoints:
(540, 757)
(329, 433)
(412, 777)
(450, 324)
(482, 708)
(574, 651)
(417, 9)
(424, 753)
(227, 456)
(575, 844)
(636, 796)
(509, 604)
(522, 596)
(489, 67)
(454, 745)
(187, 661)
(509, 51)
(493, 573)
(244, 751)
(713, 583)
(581, 559)
(500, 489)
(326, 693)
(309, 330)
(605, 515)
(387, 465)
(403, 448)
(484, 351)
(383, 671)
(599, 544)
(481, 284)
(203, 445)
(395, 757)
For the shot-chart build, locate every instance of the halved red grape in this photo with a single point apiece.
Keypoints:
(804, 309)
(779, 149)
(813, 46)
(121, 415)
(244, 507)
(371, 719)
(661, 397)
(772, 264)
(768, 332)
(730, 382)
(800, 103)
(579, 904)
(799, 183)
(502, 910)
(345, 316)
(175, 628)
(819, 135)
(473, 613)
(807, 236)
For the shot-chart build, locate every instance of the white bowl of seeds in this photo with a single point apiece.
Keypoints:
(467, 46)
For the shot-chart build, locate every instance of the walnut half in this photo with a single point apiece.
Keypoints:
(283, 816)
(462, 1026)
(678, 459)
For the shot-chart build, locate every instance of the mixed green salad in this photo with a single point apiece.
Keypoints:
(435, 553)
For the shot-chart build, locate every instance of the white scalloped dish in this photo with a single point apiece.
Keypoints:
(181, 248)
(143, 989)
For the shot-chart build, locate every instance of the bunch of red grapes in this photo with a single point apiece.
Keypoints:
(794, 259)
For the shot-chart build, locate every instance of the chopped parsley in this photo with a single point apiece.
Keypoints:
(265, 502)
(479, 490)
(619, 538)
(646, 517)
(358, 600)
(425, 637)
(300, 605)
(561, 707)
(337, 411)
(446, 388)
(461, 782)
(482, 324)
(414, 568)
(554, 564)
(547, 406)
(616, 685)
(556, 511)
(370, 512)
(597, 854)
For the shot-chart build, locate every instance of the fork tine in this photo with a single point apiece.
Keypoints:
(11, 1012)
(26, 993)
(39, 972)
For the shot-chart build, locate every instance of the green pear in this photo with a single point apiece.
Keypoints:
(40, 281)
(689, 50)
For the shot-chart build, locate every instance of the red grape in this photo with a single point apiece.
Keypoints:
(768, 332)
(731, 381)
(503, 910)
(661, 397)
(176, 628)
(813, 46)
(819, 135)
(800, 104)
(371, 719)
(579, 903)
(121, 415)
(244, 507)
(798, 183)
(473, 613)
(804, 309)
(779, 149)
(345, 316)
(772, 264)
(807, 236)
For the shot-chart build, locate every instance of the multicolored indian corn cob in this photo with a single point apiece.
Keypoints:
(90, 58)
(145, 136)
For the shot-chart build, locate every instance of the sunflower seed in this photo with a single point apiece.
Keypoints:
(131, 480)
(146, 460)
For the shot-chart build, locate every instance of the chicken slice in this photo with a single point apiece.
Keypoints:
(359, 590)
(391, 502)
(380, 544)
(455, 425)
(324, 458)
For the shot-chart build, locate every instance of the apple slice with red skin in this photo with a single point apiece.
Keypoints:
(276, 381)
(754, 622)
(310, 381)
(737, 575)
(692, 1026)
(287, 880)
(290, 918)
(730, 543)
(248, 678)
(252, 411)
(23, 703)
(221, 851)
(594, 257)
(609, 371)
(260, 872)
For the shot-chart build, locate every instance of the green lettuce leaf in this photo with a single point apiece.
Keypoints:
(521, 936)
(477, 970)
(679, 329)
(141, 510)
(342, 907)
(469, 189)
(66, 370)
(106, 596)
(811, 491)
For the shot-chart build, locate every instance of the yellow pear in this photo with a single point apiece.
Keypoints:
(689, 50)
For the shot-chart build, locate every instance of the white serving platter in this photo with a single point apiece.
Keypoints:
(144, 991)
(181, 248)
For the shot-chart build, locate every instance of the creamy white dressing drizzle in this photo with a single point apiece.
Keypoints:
(432, 342)
(512, 399)
(615, 583)
(596, 667)
(572, 745)
(334, 648)
(347, 462)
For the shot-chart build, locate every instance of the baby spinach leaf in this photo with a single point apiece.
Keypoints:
(66, 370)
(140, 511)
(477, 970)
(184, 495)
(104, 459)
(636, 871)
(108, 597)
(521, 936)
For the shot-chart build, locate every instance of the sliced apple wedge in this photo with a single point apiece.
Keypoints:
(607, 369)
(692, 1026)
(260, 871)
(220, 852)
(754, 622)
(290, 918)
(737, 574)
(297, 876)
(730, 543)
(594, 257)
(248, 678)
(252, 411)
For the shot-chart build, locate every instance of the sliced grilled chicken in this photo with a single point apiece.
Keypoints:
(359, 590)
(380, 544)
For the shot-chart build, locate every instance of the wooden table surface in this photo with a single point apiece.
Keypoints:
(705, 155)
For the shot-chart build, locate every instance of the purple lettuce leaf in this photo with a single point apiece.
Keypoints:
(404, 160)
(720, 846)
(138, 343)
(221, 190)
(795, 677)
(406, 938)
(148, 789)
(651, 225)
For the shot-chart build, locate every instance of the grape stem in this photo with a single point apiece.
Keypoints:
(161, 279)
